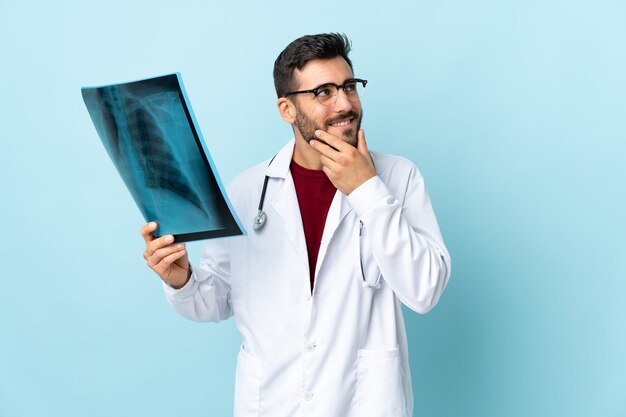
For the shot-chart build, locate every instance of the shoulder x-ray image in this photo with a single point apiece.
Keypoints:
(150, 133)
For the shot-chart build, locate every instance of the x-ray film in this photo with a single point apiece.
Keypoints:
(149, 131)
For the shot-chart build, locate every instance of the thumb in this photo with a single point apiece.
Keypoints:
(361, 145)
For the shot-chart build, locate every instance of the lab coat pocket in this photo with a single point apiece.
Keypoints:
(247, 385)
(379, 384)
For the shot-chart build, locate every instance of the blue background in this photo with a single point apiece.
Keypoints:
(514, 111)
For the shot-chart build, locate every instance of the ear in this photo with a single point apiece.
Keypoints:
(287, 110)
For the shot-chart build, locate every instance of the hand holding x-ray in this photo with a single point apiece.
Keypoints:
(168, 259)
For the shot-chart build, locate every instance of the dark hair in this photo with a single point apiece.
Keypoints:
(303, 50)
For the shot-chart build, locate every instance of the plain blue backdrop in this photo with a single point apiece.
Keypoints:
(514, 111)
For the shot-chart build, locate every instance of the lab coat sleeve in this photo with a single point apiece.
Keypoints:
(405, 239)
(206, 296)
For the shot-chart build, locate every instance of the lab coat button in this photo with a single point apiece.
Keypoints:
(309, 347)
(308, 396)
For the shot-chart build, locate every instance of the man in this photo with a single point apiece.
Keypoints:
(317, 291)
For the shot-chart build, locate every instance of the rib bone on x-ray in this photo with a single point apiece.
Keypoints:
(151, 136)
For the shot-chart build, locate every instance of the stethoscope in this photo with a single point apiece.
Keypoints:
(261, 218)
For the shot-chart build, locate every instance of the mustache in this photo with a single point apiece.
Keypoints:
(350, 114)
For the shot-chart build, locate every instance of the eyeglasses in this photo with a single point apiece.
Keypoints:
(327, 93)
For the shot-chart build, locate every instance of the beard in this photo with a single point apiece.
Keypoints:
(307, 127)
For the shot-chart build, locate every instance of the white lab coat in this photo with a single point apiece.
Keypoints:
(342, 350)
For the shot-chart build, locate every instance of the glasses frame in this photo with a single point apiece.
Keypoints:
(315, 91)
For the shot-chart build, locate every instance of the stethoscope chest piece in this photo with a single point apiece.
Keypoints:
(259, 220)
(261, 217)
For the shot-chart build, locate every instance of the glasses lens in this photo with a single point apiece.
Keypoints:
(353, 89)
(328, 94)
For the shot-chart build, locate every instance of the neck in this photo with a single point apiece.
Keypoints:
(305, 155)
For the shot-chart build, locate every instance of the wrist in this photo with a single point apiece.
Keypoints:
(179, 286)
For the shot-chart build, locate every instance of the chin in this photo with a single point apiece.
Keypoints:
(350, 141)
(350, 138)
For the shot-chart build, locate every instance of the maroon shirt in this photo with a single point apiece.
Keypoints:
(315, 193)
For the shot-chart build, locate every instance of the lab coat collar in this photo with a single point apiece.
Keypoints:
(285, 202)
(279, 168)
(286, 206)
(338, 210)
